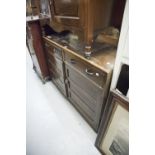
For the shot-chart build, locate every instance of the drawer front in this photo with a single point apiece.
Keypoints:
(53, 50)
(58, 80)
(92, 73)
(83, 109)
(56, 74)
(89, 101)
(85, 95)
(90, 88)
(55, 63)
(60, 86)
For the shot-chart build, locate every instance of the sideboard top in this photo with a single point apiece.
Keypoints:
(103, 59)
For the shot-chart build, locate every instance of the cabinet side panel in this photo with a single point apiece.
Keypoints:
(38, 47)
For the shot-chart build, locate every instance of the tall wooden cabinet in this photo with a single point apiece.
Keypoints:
(84, 82)
(86, 18)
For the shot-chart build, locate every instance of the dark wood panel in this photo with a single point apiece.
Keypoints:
(83, 95)
(53, 61)
(56, 66)
(86, 92)
(60, 86)
(85, 112)
(67, 13)
(66, 8)
(117, 13)
(56, 74)
(83, 105)
(35, 31)
(53, 50)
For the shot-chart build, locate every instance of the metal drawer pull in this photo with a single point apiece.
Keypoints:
(73, 61)
(90, 72)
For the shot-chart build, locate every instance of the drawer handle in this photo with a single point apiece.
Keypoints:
(90, 72)
(72, 61)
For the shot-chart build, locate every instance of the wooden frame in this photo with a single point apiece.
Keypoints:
(114, 127)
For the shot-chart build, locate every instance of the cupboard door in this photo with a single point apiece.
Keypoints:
(85, 95)
(67, 12)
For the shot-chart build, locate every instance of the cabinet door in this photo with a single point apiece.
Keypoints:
(67, 12)
(56, 66)
(84, 95)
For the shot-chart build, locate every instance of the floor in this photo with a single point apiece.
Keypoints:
(54, 127)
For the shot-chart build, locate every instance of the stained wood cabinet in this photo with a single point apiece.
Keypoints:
(82, 17)
(84, 82)
(56, 66)
(84, 95)
(86, 88)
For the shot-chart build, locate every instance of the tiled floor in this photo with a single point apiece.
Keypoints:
(54, 127)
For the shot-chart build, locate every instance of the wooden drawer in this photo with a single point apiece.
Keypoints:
(56, 74)
(85, 95)
(83, 109)
(55, 63)
(53, 50)
(90, 88)
(60, 86)
(92, 73)
(90, 102)
(58, 80)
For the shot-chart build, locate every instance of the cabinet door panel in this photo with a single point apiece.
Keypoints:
(54, 51)
(77, 101)
(66, 7)
(68, 12)
(89, 100)
(85, 95)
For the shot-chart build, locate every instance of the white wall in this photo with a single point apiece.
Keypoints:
(122, 56)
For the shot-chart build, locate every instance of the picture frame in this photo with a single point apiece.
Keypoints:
(113, 135)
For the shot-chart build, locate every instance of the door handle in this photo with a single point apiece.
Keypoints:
(89, 71)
